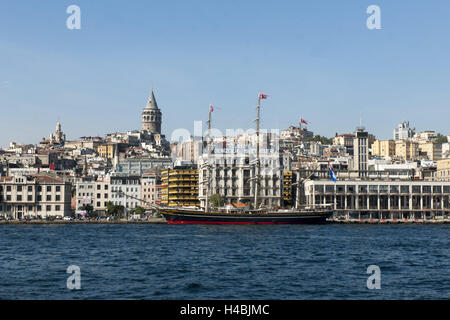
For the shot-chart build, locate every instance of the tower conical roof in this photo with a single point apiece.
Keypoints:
(151, 103)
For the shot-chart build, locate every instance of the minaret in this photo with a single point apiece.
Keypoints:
(151, 116)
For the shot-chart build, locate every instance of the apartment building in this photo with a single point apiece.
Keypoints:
(37, 196)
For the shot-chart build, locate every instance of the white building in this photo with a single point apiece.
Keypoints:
(403, 131)
(126, 191)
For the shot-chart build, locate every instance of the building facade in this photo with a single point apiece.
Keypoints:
(403, 131)
(35, 196)
(404, 198)
(360, 149)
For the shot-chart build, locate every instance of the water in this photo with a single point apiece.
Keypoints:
(224, 262)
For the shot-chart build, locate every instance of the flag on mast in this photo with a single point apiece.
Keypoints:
(303, 121)
(263, 96)
(332, 174)
(211, 108)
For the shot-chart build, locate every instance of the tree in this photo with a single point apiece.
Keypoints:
(216, 201)
(441, 139)
(139, 210)
(319, 138)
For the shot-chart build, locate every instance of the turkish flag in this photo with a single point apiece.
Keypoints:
(263, 96)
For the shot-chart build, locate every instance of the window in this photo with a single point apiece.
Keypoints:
(394, 189)
(98, 204)
(8, 197)
(49, 188)
(57, 208)
(98, 195)
(58, 197)
(19, 188)
(106, 187)
(49, 198)
(426, 189)
(30, 197)
(58, 188)
(437, 189)
(404, 189)
(19, 197)
(30, 188)
(39, 198)
(98, 187)
(8, 188)
(30, 208)
(48, 208)
(39, 188)
(416, 189)
(39, 208)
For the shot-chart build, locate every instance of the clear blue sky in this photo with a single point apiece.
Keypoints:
(316, 59)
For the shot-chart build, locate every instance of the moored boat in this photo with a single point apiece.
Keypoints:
(197, 216)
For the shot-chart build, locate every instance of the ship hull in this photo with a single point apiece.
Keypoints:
(181, 216)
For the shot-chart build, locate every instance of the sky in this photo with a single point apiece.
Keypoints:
(316, 60)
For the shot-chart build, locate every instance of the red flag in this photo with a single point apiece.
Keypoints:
(303, 121)
(211, 108)
(52, 166)
(263, 96)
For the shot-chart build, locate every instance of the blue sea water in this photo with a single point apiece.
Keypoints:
(224, 262)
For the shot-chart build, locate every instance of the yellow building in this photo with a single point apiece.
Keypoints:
(179, 187)
(443, 170)
(406, 149)
(432, 150)
(106, 151)
(287, 188)
(383, 148)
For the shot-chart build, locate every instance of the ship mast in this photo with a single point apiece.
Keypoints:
(257, 164)
(208, 145)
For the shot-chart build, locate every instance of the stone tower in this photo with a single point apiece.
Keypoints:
(151, 116)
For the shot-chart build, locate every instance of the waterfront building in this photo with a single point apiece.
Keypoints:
(149, 182)
(92, 192)
(403, 131)
(126, 191)
(360, 149)
(380, 197)
(180, 186)
(37, 195)
(151, 116)
(233, 178)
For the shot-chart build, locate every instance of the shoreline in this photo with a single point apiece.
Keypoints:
(163, 221)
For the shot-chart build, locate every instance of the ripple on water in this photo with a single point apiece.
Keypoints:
(218, 262)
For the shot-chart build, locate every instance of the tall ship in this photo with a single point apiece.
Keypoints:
(232, 214)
